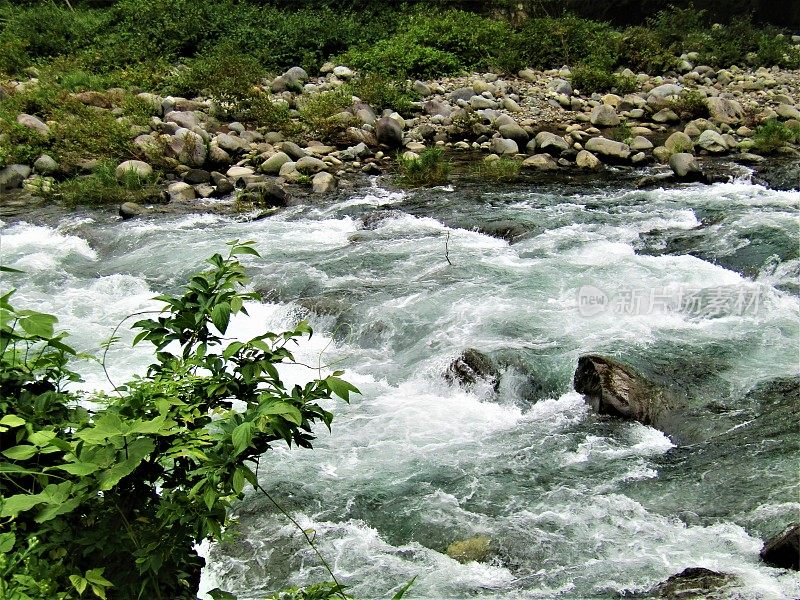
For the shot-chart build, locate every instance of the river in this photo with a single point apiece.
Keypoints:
(697, 282)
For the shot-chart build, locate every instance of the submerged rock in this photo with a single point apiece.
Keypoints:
(474, 549)
(472, 366)
(613, 388)
(783, 550)
(694, 582)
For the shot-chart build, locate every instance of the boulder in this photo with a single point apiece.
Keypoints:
(695, 583)
(294, 151)
(587, 160)
(471, 367)
(12, 176)
(128, 210)
(551, 143)
(45, 165)
(541, 162)
(33, 123)
(389, 133)
(640, 144)
(666, 90)
(296, 74)
(140, 168)
(685, 166)
(197, 176)
(342, 72)
(666, 115)
(787, 111)
(180, 191)
(783, 176)
(560, 86)
(189, 148)
(236, 171)
(435, 107)
(185, 119)
(464, 93)
(515, 132)
(783, 550)
(616, 151)
(231, 143)
(273, 164)
(308, 165)
(679, 142)
(323, 183)
(712, 142)
(613, 388)
(504, 146)
(724, 110)
(604, 115)
(267, 193)
(481, 103)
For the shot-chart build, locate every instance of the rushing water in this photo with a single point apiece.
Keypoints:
(397, 285)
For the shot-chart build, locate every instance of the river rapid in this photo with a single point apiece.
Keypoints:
(697, 283)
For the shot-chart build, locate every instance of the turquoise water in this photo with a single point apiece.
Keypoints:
(397, 285)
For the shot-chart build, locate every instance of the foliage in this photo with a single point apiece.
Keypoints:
(552, 42)
(381, 92)
(773, 135)
(690, 104)
(221, 73)
(589, 80)
(324, 115)
(159, 462)
(504, 169)
(643, 51)
(400, 57)
(429, 168)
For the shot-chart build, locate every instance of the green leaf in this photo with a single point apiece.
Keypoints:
(12, 421)
(13, 505)
(244, 250)
(79, 583)
(7, 541)
(238, 481)
(242, 436)
(218, 594)
(232, 349)
(137, 450)
(53, 510)
(79, 468)
(283, 409)
(99, 592)
(221, 316)
(42, 437)
(95, 576)
(210, 497)
(402, 591)
(341, 388)
(236, 304)
(38, 324)
(23, 452)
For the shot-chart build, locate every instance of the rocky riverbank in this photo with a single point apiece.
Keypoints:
(537, 119)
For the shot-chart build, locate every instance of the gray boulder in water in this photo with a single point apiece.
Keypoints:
(473, 366)
(695, 582)
(613, 388)
(783, 550)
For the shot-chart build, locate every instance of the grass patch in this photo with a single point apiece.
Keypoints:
(428, 169)
(773, 135)
(102, 187)
(505, 169)
(621, 132)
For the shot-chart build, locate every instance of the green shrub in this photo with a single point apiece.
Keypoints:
(111, 493)
(673, 24)
(621, 132)
(400, 57)
(592, 79)
(690, 104)
(324, 114)
(221, 73)
(13, 54)
(429, 168)
(773, 135)
(381, 92)
(776, 49)
(569, 40)
(643, 51)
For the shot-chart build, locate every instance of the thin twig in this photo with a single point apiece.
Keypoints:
(447, 249)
